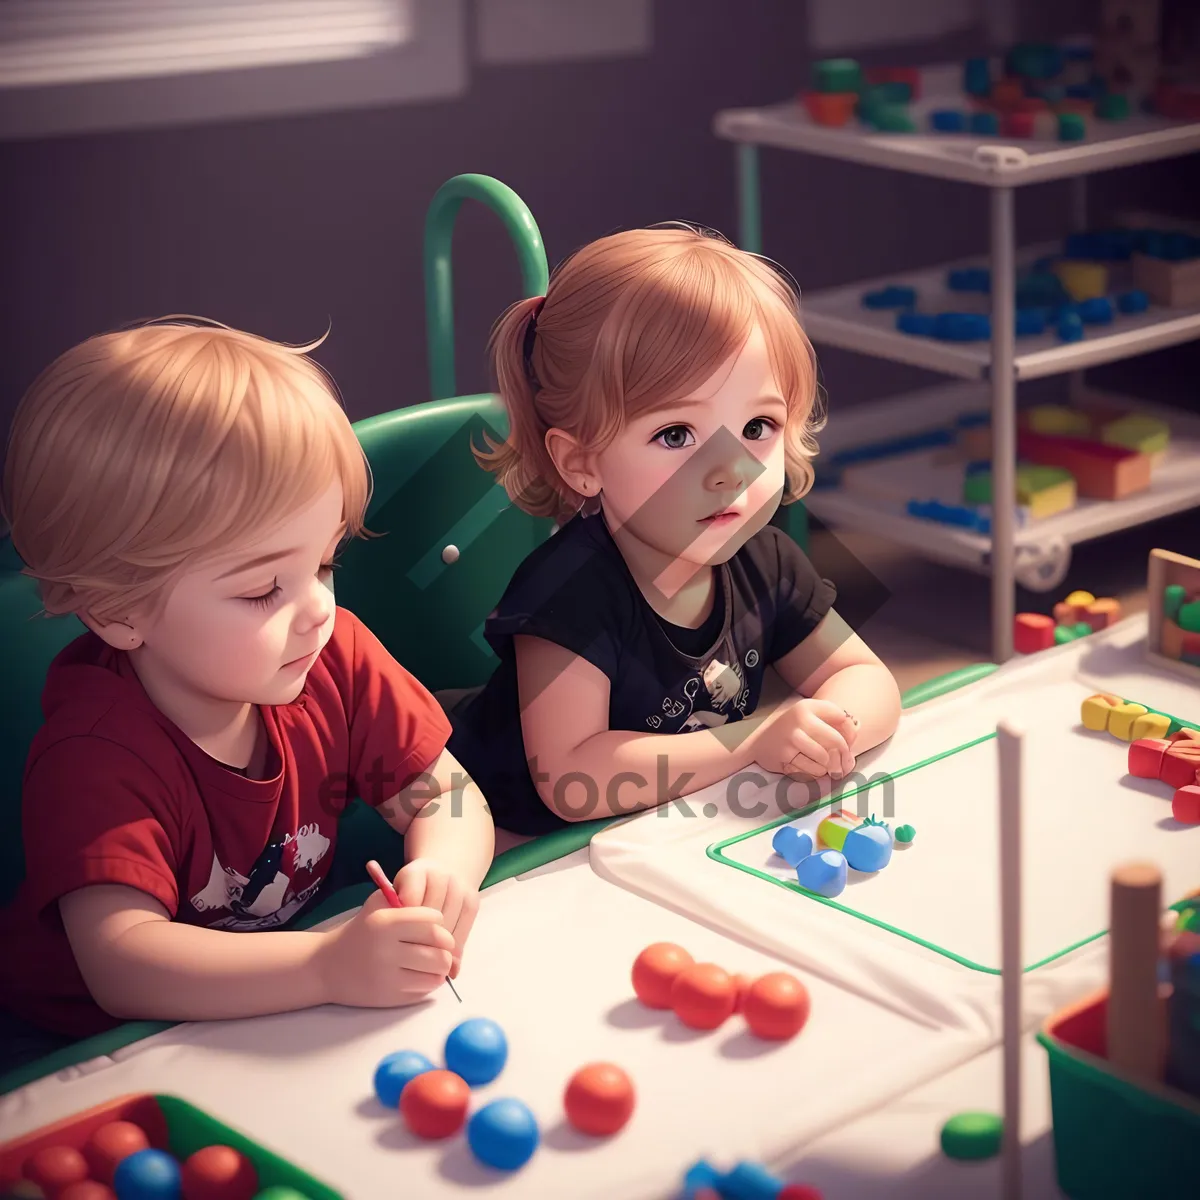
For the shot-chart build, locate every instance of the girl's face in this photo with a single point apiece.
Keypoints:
(696, 480)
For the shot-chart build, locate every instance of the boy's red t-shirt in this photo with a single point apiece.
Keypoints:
(115, 793)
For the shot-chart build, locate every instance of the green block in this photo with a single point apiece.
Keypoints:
(1071, 127)
(977, 487)
(1189, 617)
(892, 118)
(1064, 634)
(972, 1135)
(870, 99)
(1173, 597)
(1113, 106)
(1082, 629)
(837, 75)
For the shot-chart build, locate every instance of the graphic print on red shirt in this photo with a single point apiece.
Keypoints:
(115, 793)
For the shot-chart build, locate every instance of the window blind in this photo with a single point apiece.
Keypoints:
(49, 42)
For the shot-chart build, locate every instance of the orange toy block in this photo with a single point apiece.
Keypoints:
(1032, 632)
(830, 108)
(1101, 472)
(1074, 608)
(1007, 92)
(1102, 613)
(1185, 805)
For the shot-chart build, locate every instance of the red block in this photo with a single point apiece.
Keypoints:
(1032, 632)
(1101, 472)
(1181, 762)
(1185, 806)
(909, 75)
(1146, 757)
(1191, 644)
(1017, 124)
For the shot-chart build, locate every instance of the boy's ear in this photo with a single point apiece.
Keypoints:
(117, 634)
(576, 465)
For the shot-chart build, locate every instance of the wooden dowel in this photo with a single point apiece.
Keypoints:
(1136, 1033)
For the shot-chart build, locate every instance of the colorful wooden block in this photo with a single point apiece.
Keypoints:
(1083, 280)
(1173, 284)
(1056, 418)
(1102, 613)
(1101, 472)
(1185, 804)
(1122, 717)
(1032, 632)
(1152, 725)
(1181, 761)
(830, 108)
(1136, 431)
(1044, 491)
(1146, 757)
(833, 830)
(1095, 711)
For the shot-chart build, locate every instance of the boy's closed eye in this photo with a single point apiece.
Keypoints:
(265, 599)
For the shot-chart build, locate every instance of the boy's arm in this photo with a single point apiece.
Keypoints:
(833, 663)
(445, 820)
(139, 964)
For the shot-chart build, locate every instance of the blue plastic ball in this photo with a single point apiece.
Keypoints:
(477, 1050)
(503, 1134)
(395, 1071)
(148, 1175)
(1070, 327)
(823, 873)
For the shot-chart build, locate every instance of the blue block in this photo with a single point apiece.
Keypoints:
(969, 279)
(893, 446)
(823, 873)
(1070, 327)
(699, 1175)
(503, 1134)
(948, 120)
(792, 844)
(985, 123)
(394, 1073)
(1096, 311)
(1104, 245)
(750, 1181)
(476, 1050)
(148, 1175)
(1030, 322)
(893, 296)
(916, 323)
(963, 327)
(1134, 301)
(977, 77)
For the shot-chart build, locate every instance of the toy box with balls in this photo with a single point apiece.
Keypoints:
(149, 1147)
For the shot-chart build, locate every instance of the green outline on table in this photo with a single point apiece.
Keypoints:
(717, 850)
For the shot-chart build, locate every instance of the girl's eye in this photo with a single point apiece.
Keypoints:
(266, 599)
(674, 437)
(758, 428)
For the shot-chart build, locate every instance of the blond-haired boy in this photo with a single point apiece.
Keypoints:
(183, 488)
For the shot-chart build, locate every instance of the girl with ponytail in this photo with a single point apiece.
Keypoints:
(662, 402)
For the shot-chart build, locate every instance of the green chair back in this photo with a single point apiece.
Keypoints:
(450, 538)
(30, 643)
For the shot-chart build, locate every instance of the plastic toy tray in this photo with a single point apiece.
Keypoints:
(1114, 1138)
(170, 1124)
(1080, 807)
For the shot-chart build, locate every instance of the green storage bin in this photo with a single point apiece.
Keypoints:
(1114, 1138)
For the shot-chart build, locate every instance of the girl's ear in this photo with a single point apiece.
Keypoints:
(576, 465)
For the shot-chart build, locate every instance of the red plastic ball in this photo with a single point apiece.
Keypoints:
(800, 1191)
(599, 1099)
(703, 996)
(742, 984)
(52, 1168)
(654, 972)
(434, 1104)
(88, 1189)
(777, 1006)
(219, 1173)
(111, 1144)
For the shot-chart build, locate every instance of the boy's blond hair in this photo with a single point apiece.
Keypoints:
(141, 452)
(632, 322)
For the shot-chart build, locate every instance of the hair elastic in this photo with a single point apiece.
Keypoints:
(530, 334)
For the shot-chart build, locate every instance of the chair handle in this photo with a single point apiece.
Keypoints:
(439, 278)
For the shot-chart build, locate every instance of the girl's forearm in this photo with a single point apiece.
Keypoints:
(869, 692)
(169, 971)
(455, 831)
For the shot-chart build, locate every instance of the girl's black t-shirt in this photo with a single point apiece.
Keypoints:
(576, 591)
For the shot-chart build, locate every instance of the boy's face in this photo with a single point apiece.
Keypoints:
(695, 481)
(247, 626)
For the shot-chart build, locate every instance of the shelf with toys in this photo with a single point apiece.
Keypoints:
(914, 469)
(1091, 299)
(1038, 112)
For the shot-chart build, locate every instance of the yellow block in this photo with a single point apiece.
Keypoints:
(1051, 500)
(1147, 435)
(832, 831)
(1057, 419)
(1083, 280)
(1096, 710)
(1080, 599)
(1121, 720)
(1152, 725)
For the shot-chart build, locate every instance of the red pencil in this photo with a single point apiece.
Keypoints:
(384, 884)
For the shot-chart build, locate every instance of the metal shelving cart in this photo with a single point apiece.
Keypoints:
(837, 317)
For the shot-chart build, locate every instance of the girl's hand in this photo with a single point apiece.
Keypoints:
(807, 738)
(424, 883)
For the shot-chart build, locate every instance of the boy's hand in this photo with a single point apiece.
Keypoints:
(384, 957)
(807, 737)
(425, 883)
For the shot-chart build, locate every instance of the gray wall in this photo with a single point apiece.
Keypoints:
(282, 226)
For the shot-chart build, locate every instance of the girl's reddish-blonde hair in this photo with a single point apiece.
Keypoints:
(633, 322)
(141, 452)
